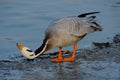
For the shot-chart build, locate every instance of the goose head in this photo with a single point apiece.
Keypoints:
(29, 54)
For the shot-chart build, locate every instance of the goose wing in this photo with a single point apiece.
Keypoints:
(74, 25)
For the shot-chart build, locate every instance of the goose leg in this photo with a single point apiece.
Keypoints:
(59, 58)
(70, 59)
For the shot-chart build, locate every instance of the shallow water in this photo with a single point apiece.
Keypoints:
(25, 21)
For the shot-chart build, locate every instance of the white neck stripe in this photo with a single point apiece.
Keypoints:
(43, 49)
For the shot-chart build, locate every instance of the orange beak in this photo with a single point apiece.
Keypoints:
(20, 47)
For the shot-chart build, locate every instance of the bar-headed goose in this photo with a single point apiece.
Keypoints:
(64, 32)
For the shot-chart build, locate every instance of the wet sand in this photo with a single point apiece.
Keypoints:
(90, 64)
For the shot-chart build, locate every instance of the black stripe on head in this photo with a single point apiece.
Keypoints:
(29, 50)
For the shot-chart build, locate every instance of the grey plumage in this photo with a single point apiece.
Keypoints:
(64, 32)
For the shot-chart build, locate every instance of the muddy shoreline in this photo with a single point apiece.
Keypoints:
(90, 64)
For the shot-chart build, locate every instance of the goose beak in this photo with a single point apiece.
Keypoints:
(26, 51)
(20, 46)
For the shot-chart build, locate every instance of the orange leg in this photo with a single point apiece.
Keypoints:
(72, 58)
(59, 58)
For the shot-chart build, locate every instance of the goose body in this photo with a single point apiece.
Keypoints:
(64, 32)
